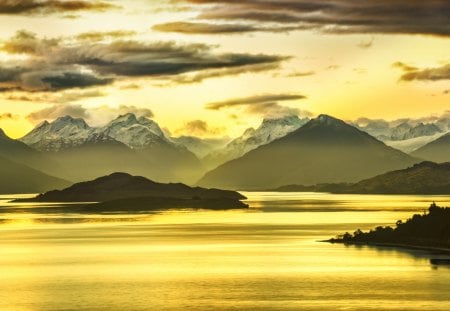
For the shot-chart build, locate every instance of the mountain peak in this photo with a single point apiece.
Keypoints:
(327, 119)
(69, 120)
(128, 118)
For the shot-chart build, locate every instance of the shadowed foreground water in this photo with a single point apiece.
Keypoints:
(264, 258)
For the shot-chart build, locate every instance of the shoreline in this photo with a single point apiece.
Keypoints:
(392, 245)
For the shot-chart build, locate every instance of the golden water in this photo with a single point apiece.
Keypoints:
(264, 258)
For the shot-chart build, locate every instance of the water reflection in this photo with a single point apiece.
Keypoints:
(264, 258)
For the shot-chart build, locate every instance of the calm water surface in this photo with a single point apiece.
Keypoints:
(264, 258)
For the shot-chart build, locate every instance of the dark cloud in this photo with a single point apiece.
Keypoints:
(54, 64)
(427, 74)
(29, 7)
(61, 98)
(430, 17)
(198, 128)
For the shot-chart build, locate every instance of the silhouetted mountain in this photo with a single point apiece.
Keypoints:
(269, 130)
(431, 230)
(19, 178)
(123, 186)
(437, 150)
(422, 178)
(129, 144)
(325, 150)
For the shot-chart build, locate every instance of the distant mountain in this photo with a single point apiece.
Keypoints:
(422, 178)
(405, 131)
(130, 144)
(406, 135)
(122, 186)
(268, 131)
(325, 150)
(201, 146)
(19, 178)
(437, 150)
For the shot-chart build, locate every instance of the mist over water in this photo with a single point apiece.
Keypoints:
(265, 258)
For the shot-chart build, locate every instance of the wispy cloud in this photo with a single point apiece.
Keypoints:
(199, 128)
(265, 105)
(426, 74)
(93, 115)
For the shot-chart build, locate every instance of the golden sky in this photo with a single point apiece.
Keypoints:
(174, 60)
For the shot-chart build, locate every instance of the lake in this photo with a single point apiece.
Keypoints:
(265, 258)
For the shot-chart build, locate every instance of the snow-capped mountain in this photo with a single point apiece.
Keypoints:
(268, 131)
(136, 133)
(68, 132)
(63, 133)
(406, 131)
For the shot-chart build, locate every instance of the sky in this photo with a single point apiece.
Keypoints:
(213, 68)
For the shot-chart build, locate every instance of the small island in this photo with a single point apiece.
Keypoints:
(122, 192)
(430, 231)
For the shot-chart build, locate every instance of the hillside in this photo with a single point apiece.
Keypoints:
(436, 151)
(325, 150)
(422, 178)
(19, 178)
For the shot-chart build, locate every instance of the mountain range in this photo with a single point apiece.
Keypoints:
(325, 150)
(281, 151)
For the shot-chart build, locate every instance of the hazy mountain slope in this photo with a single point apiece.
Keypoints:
(412, 144)
(19, 152)
(128, 144)
(325, 150)
(18, 178)
(268, 131)
(436, 151)
(422, 178)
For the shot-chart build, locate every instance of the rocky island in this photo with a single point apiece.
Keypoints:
(127, 193)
